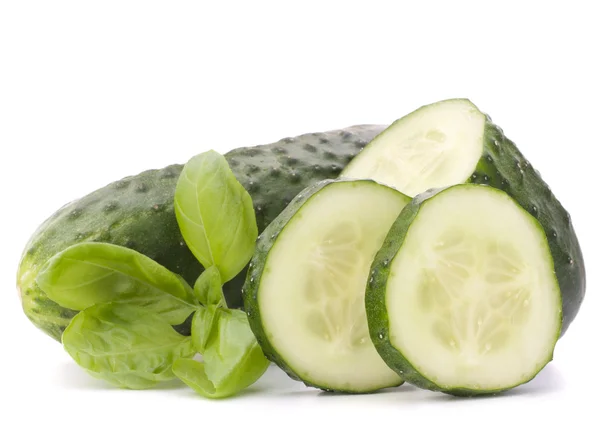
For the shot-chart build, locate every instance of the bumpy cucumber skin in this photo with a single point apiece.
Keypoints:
(137, 212)
(256, 268)
(503, 166)
(376, 307)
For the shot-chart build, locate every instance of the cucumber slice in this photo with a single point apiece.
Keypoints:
(452, 142)
(463, 297)
(304, 293)
(435, 146)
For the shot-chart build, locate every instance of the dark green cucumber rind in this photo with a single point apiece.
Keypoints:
(503, 166)
(376, 306)
(137, 212)
(256, 268)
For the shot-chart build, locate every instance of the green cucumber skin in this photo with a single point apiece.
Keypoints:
(375, 301)
(256, 268)
(137, 212)
(502, 166)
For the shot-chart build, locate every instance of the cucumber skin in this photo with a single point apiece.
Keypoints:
(375, 301)
(137, 212)
(256, 267)
(504, 167)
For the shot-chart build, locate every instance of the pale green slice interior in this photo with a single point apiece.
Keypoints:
(311, 295)
(435, 146)
(472, 298)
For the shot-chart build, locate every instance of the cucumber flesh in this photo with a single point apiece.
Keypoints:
(305, 290)
(429, 148)
(452, 142)
(470, 300)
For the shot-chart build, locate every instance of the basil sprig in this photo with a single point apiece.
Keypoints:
(128, 303)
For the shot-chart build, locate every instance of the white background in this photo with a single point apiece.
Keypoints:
(94, 91)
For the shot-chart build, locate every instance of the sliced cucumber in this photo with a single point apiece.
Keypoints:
(304, 293)
(462, 296)
(435, 146)
(452, 142)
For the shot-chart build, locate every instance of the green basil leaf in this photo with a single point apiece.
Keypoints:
(208, 287)
(215, 214)
(232, 361)
(203, 323)
(89, 273)
(125, 344)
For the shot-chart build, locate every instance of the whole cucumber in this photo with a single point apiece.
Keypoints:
(137, 212)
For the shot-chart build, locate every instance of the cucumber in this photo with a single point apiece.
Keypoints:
(463, 297)
(452, 142)
(137, 212)
(304, 293)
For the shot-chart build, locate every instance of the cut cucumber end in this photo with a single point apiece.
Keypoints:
(435, 146)
(452, 142)
(470, 302)
(309, 277)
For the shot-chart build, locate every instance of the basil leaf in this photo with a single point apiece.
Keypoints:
(125, 344)
(232, 360)
(215, 214)
(203, 323)
(90, 273)
(208, 287)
